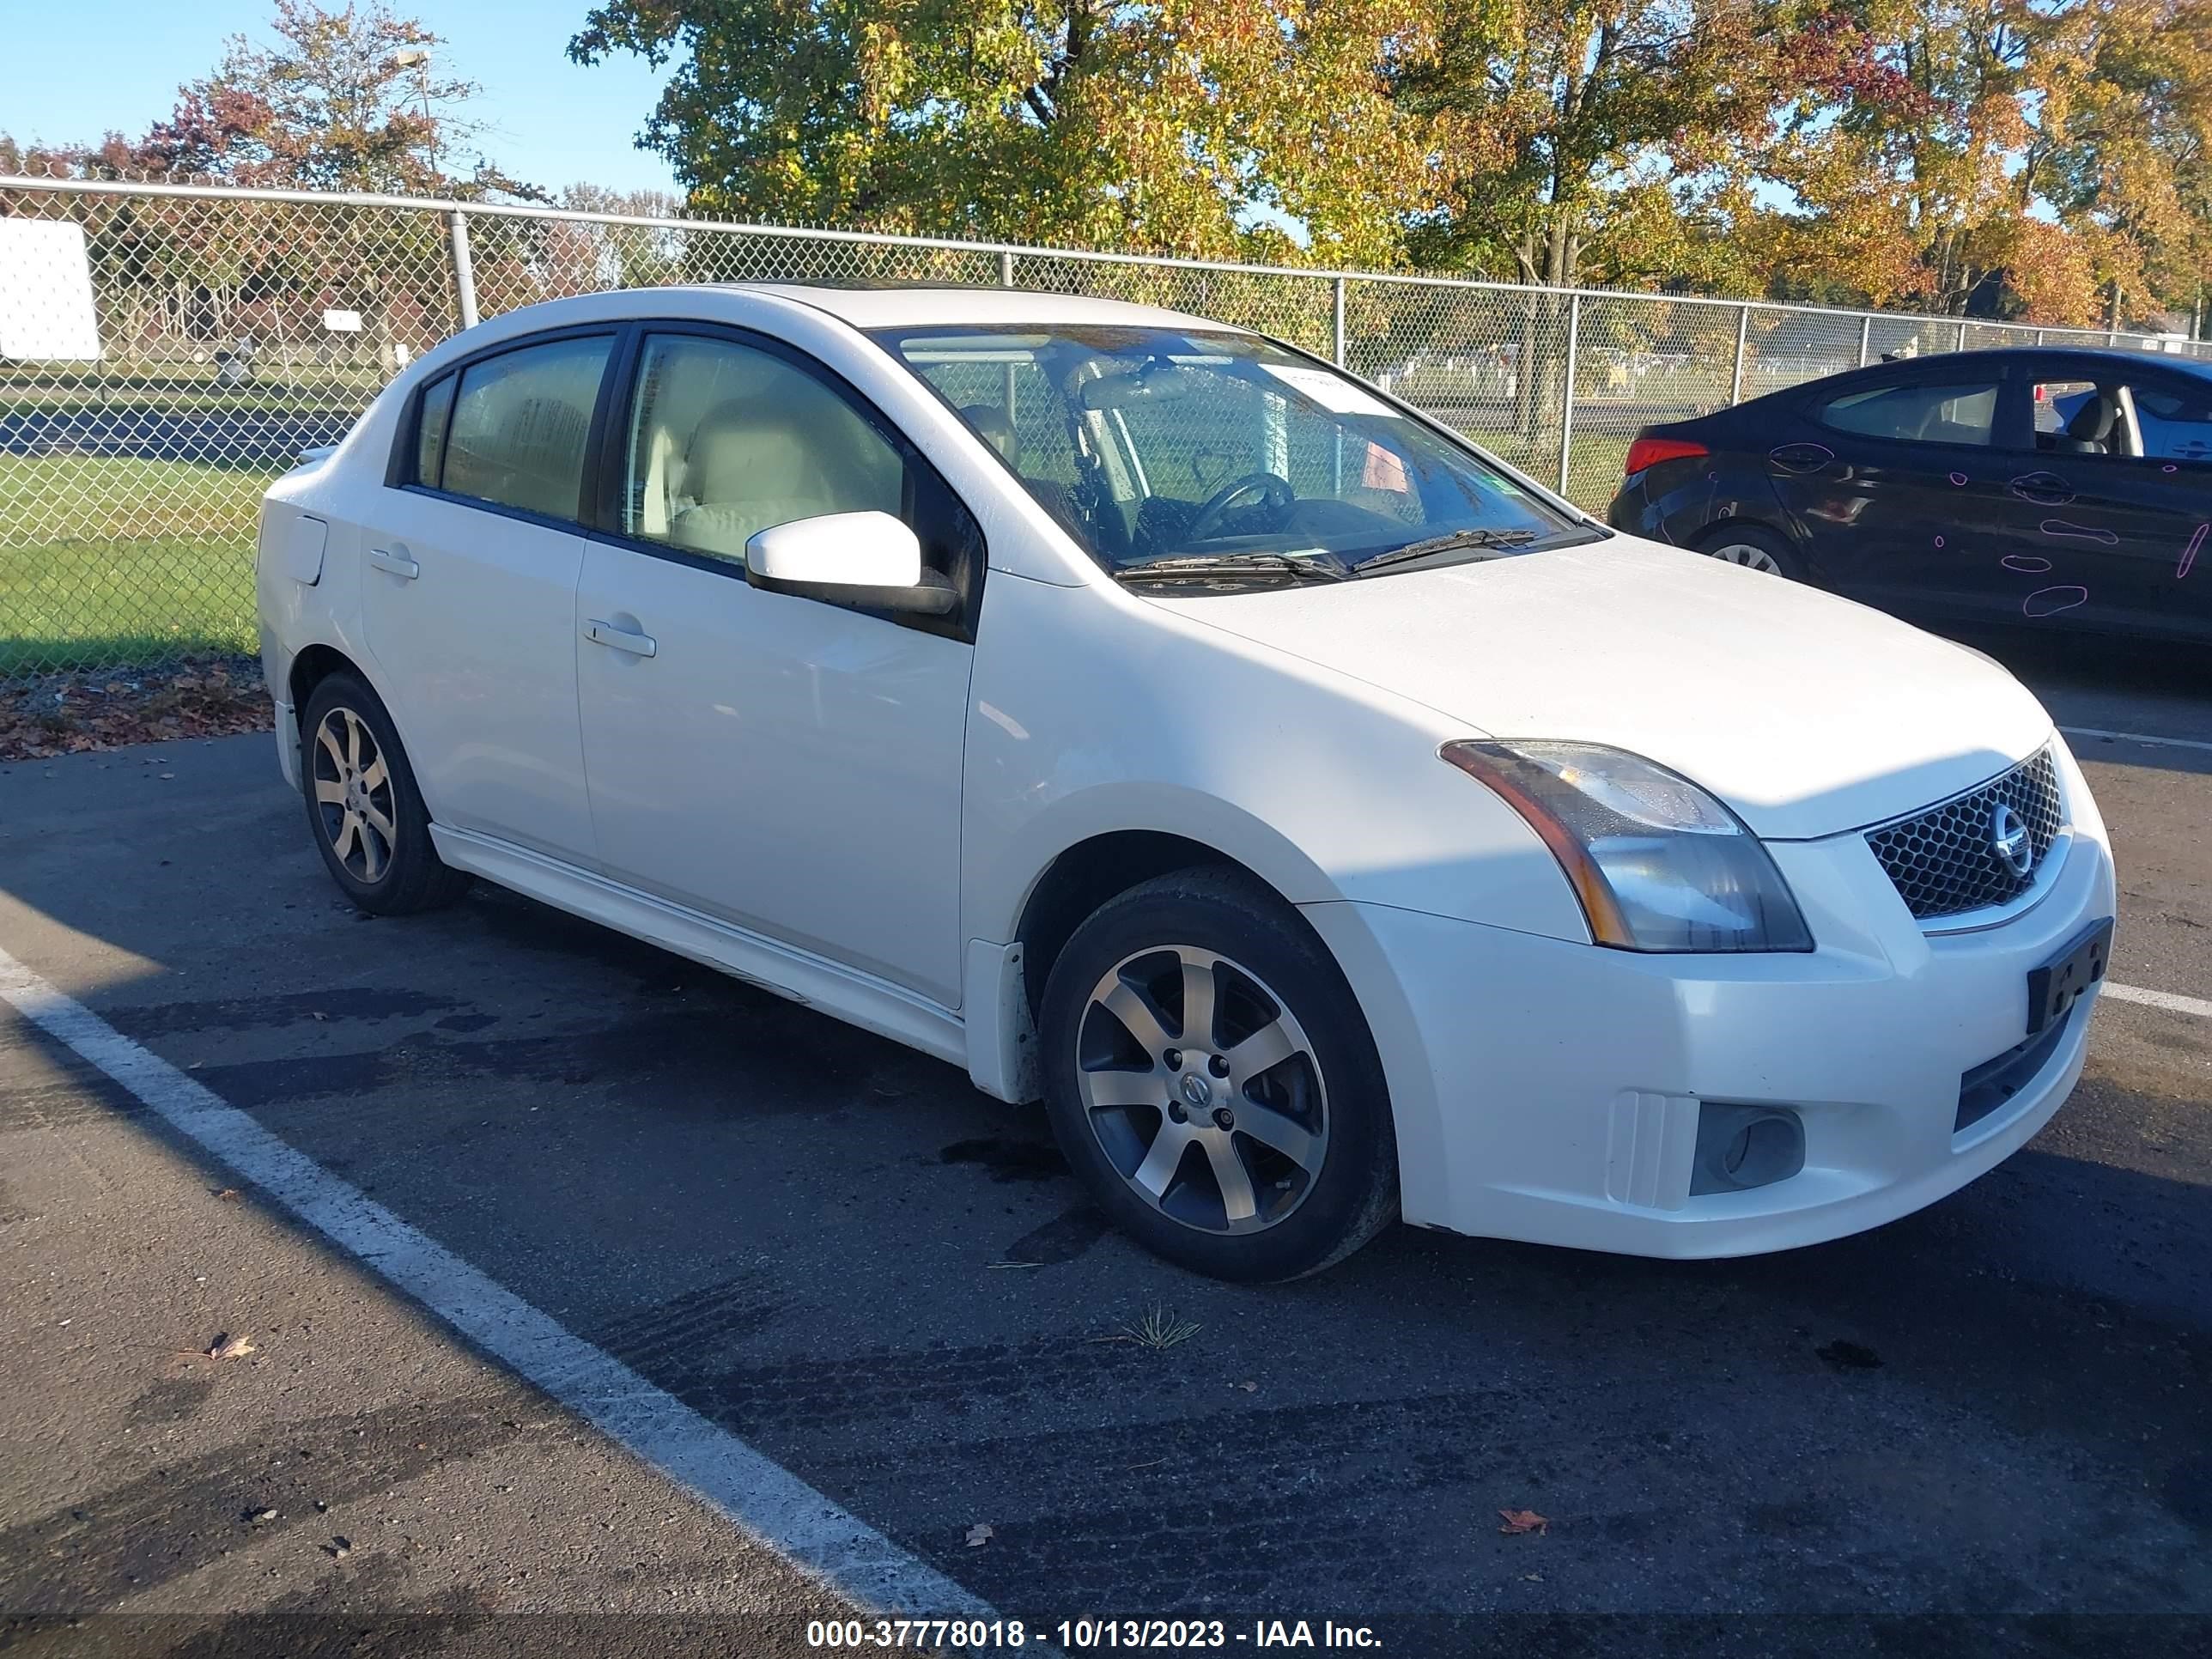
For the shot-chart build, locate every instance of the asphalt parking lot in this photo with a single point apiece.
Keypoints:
(836, 1251)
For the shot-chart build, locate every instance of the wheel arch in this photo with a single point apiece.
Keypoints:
(313, 664)
(1085, 875)
(1004, 981)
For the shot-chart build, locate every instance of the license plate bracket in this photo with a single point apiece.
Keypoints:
(2056, 987)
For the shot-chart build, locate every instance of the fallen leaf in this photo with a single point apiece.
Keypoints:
(977, 1535)
(1520, 1521)
(227, 1192)
(1248, 1388)
(228, 1347)
(317, 1016)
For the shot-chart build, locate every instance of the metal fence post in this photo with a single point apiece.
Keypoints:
(1961, 344)
(1006, 268)
(1567, 398)
(1339, 322)
(465, 272)
(2038, 337)
(1742, 340)
(1866, 341)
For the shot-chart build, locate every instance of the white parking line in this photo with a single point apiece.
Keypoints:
(2135, 737)
(763, 1498)
(2165, 1000)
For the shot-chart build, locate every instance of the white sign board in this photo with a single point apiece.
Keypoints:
(342, 322)
(46, 294)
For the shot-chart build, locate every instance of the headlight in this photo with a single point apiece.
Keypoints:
(1658, 863)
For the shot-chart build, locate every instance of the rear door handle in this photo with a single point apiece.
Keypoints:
(622, 639)
(398, 563)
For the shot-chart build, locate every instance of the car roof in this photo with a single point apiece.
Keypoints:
(1995, 356)
(886, 305)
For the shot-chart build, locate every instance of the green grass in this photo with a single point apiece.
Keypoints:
(106, 561)
(1593, 460)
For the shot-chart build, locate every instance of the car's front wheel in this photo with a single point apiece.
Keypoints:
(363, 808)
(1212, 1082)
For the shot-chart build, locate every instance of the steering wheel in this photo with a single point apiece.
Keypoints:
(1274, 490)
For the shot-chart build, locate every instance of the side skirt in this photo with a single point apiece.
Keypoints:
(861, 999)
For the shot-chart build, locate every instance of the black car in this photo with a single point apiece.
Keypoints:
(2069, 489)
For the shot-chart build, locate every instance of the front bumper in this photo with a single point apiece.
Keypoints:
(1551, 1091)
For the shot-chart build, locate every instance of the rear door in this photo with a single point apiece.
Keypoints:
(2111, 508)
(468, 598)
(1892, 481)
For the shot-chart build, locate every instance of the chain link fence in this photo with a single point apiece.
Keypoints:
(230, 329)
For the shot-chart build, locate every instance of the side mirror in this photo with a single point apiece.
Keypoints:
(869, 559)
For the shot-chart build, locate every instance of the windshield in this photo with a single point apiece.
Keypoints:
(1160, 447)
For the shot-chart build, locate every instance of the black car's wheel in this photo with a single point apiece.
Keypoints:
(1213, 1083)
(1754, 547)
(363, 807)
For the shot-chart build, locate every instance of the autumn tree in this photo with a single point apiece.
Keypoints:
(1157, 125)
(344, 99)
(1563, 129)
(2037, 159)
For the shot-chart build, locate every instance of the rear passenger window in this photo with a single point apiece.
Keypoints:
(517, 434)
(430, 430)
(1917, 412)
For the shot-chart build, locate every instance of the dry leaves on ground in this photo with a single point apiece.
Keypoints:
(228, 1347)
(69, 714)
(1520, 1521)
(978, 1535)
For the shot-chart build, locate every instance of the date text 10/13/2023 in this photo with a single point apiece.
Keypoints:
(1087, 1634)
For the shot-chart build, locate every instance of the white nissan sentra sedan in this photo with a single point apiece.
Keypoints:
(1326, 822)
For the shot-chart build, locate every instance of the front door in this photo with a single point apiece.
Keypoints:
(468, 593)
(788, 765)
(2112, 508)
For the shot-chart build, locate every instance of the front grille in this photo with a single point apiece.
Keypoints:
(1942, 860)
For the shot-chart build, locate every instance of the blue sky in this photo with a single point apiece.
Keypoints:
(73, 69)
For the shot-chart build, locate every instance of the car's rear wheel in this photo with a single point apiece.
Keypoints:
(1212, 1080)
(1755, 548)
(366, 813)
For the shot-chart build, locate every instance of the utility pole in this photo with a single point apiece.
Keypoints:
(419, 60)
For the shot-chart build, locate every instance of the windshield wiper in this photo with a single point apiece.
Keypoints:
(1451, 544)
(1200, 567)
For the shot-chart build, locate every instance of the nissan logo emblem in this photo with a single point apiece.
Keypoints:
(2010, 842)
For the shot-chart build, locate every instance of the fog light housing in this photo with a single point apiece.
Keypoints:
(1740, 1147)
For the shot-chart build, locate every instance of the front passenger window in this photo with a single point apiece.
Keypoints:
(726, 440)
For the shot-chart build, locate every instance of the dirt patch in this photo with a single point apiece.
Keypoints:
(68, 714)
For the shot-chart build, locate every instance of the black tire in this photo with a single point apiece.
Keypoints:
(1259, 954)
(1717, 542)
(392, 875)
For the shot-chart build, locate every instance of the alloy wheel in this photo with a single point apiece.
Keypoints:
(352, 795)
(1749, 556)
(1202, 1090)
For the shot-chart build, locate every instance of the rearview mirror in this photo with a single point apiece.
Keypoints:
(868, 559)
(1156, 382)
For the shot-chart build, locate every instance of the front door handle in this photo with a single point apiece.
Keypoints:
(622, 639)
(398, 563)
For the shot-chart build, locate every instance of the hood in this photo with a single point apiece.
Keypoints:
(1806, 713)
